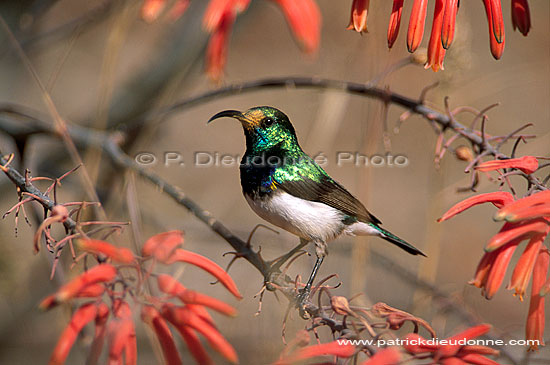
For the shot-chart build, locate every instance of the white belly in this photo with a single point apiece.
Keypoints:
(310, 220)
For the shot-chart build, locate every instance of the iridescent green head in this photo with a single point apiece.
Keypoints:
(265, 128)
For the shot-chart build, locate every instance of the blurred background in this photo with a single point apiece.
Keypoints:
(107, 68)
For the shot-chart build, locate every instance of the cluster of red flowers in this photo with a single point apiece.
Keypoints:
(453, 350)
(443, 25)
(107, 283)
(304, 18)
(525, 219)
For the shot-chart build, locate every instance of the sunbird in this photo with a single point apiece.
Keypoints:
(287, 188)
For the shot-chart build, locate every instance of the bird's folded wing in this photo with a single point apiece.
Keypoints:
(329, 192)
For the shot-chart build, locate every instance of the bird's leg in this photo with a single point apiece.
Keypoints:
(321, 252)
(309, 283)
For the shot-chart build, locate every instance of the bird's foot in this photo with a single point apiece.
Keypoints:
(303, 302)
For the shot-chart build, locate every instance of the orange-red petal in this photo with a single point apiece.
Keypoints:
(483, 269)
(170, 285)
(524, 267)
(534, 329)
(395, 22)
(217, 10)
(98, 247)
(468, 334)
(527, 164)
(182, 317)
(153, 319)
(535, 200)
(522, 230)
(449, 20)
(498, 268)
(416, 24)
(358, 17)
(436, 52)
(207, 265)
(162, 245)
(97, 274)
(499, 199)
(216, 52)
(101, 319)
(81, 317)
(122, 334)
(304, 18)
(195, 346)
(521, 17)
(496, 27)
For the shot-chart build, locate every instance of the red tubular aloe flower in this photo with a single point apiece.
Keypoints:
(496, 27)
(332, 348)
(207, 265)
(81, 317)
(152, 318)
(99, 336)
(483, 269)
(122, 334)
(395, 22)
(358, 17)
(90, 291)
(98, 247)
(416, 24)
(97, 274)
(169, 285)
(216, 53)
(200, 311)
(498, 269)
(161, 246)
(527, 164)
(452, 349)
(436, 52)
(522, 230)
(195, 346)
(524, 267)
(537, 211)
(304, 18)
(449, 20)
(387, 356)
(217, 9)
(499, 261)
(521, 17)
(182, 317)
(453, 352)
(530, 207)
(535, 319)
(498, 199)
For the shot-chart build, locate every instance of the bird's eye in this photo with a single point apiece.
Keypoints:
(268, 122)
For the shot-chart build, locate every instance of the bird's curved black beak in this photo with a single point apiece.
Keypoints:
(246, 122)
